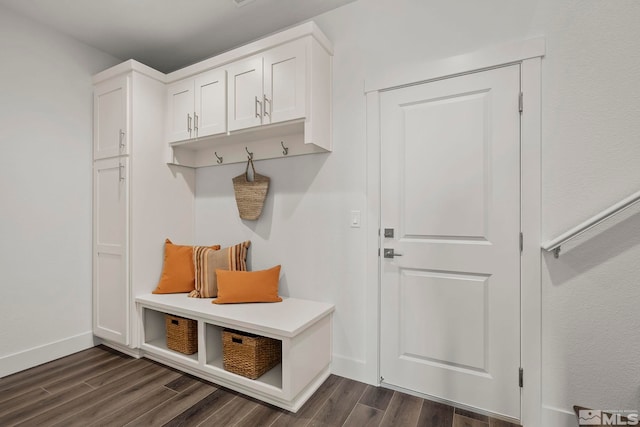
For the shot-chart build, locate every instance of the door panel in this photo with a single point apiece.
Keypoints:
(450, 311)
(285, 82)
(245, 93)
(110, 136)
(180, 103)
(211, 103)
(453, 187)
(450, 189)
(110, 272)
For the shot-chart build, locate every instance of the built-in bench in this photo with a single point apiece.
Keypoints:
(303, 327)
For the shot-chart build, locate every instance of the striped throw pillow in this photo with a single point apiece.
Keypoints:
(206, 260)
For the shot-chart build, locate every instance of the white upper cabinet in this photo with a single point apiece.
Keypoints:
(245, 93)
(268, 88)
(271, 98)
(196, 107)
(210, 103)
(180, 106)
(285, 86)
(110, 102)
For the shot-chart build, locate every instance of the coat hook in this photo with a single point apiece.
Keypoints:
(220, 159)
(250, 154)
(285, 150)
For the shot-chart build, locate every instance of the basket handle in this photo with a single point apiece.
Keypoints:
(238, 340)
(246, 172)
(174, 322)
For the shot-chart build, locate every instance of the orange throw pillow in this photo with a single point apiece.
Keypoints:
(248, 286)
(178, 273)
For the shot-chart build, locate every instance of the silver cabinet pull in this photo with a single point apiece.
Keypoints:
(390, 253)
(189, 123)
(122, 144)
(195, 123)
(120, 171)
(258, 115)
(267, 111)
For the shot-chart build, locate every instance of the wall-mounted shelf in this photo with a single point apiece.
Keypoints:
(266, 142)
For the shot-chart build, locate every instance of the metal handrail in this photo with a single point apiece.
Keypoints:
(555, 244)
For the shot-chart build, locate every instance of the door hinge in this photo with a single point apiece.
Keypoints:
(521, 377)
(521, 242)
(381, 379)
(378, 251)
(521, 102)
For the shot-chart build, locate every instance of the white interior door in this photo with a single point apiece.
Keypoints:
(450, 191)
(110, 273)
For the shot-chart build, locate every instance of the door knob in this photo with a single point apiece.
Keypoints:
(390, 253)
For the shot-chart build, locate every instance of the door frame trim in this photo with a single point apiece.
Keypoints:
(529, 55)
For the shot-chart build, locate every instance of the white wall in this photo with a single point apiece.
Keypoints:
(591, 101)
(45, 188)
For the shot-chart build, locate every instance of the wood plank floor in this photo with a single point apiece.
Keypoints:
(101, 387)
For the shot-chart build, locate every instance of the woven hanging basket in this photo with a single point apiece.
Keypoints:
(250, 195)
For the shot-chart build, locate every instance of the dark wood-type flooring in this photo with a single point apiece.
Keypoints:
(101, 387)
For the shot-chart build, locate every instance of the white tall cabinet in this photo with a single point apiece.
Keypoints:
(138, 200)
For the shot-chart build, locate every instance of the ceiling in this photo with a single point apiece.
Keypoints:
(169, 34)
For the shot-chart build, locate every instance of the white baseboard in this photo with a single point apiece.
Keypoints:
(351, 368)
(558, 417)
(26, 359)
(133, 352)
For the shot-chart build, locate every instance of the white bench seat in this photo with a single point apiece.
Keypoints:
(303, 326)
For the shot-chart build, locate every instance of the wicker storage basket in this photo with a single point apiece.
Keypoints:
(249, 355)
(250, 195)
(182, 334)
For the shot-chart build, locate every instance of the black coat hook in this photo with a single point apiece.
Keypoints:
(249, 153)
(220, 159)
(285, 150)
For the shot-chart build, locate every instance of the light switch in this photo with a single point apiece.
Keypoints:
(355, 219)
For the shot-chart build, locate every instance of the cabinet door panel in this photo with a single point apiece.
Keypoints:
(180, 110)
(245, 93)
(211, 103)
(110, 258)
(110, 103)
(285, 82)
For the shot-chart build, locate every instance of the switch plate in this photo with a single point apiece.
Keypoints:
(355, 219)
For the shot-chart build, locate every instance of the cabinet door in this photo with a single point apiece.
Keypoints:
(210, 103)
(180, 120)
(285, 82)
(245, 93)
(110, 105)
(110, 255)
